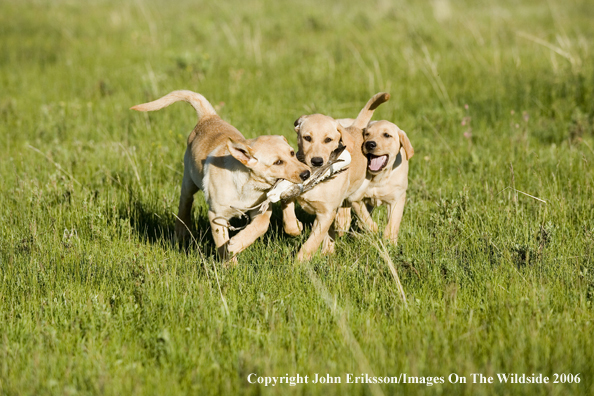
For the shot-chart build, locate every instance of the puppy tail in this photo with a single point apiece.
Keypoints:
(367, 112)
(198, 102)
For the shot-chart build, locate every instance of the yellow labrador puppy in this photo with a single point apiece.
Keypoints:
(388, 150)
(318, 136)
(233, 172)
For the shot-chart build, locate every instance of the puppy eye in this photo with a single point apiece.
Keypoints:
(327, 140)
(279, 162)
(387, 135)
(292, 153)
(307, 138)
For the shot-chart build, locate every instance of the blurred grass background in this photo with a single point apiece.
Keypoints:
(496, 97)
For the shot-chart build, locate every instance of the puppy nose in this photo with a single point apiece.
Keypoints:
(317, 161)
(304, 175)
(370, 145)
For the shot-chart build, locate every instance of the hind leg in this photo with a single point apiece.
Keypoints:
(184, 216)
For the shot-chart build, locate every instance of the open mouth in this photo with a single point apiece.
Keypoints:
(376, 162)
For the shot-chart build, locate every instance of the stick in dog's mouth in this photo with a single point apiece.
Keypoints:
(338, 162)
(377, 162)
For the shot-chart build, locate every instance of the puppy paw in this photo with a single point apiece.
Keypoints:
(341, 231)
(329, 249)
(231, 262)
(303, 256)
(328, 245)
(233, 247)
(370, 226)
(181, 231)
(293, 228)
(181, 238)
(393, 239)
(342, 222)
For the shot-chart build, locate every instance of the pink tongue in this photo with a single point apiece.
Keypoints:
(377, 163)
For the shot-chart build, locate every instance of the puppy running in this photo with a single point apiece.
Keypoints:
(318, 136)
(233, 172)
(388, 150)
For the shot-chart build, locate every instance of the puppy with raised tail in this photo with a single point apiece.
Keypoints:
(234, 173)
(318, 136)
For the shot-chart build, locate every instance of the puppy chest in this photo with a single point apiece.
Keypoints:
(385, 192)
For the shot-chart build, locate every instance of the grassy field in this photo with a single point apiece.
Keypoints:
(497, 98)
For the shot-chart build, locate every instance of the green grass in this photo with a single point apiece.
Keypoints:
(95, 300)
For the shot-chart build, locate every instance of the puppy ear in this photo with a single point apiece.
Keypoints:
(340, 129)
(368, 126)
(298, 123)
(242, 153)
(405, 142)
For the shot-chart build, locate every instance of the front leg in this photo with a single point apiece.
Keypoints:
(257, 227)
(343, 220)
(328, 243)
(291, 225)
(220, 233)
(319, 231)
(363, 214)
(395, 211)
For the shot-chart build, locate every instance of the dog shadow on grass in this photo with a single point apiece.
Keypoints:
(156, 226)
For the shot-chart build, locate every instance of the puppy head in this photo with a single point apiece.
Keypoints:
(381, 144)
(318, 136)
(269, 158)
